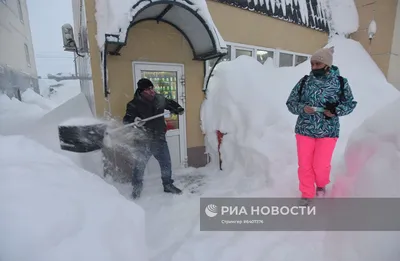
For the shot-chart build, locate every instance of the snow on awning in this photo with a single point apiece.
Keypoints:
(191, 18)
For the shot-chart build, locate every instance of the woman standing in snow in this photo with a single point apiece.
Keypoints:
(319, 99)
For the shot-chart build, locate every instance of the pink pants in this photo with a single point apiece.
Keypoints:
(314, 159)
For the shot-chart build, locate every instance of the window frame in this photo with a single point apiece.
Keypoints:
(254, 49)
(294, 56)
(27, 55)
(20, 11)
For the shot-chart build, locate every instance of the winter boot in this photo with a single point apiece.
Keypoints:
(137, 190)
(320, 192)
(170, 188)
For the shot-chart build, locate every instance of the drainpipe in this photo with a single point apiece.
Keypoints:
(106, 92)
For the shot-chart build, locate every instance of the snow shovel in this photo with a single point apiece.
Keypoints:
(88, 138)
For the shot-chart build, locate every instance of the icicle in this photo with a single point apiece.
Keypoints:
(292, 5)
(303, 10)
(283, 6)
(272, 2)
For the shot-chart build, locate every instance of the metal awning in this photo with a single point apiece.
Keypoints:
(184, 16)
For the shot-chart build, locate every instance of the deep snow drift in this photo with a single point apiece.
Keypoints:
(59, 91)
(255, 116)
(52, 210)
(371, 169)
(247, 101)
(343, 16)
(38, 118)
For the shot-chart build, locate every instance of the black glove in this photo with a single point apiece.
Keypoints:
(177, 110)
(331, 106)
(180, 111)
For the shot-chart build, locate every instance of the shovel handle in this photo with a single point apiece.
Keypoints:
(136, 122)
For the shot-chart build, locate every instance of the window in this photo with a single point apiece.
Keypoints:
(285, 60)
(300, 59)
(27, 57)
(290, 59)
(20, 13)
(279, 58)
(262, 55)
(239, 52)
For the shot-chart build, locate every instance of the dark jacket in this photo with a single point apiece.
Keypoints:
(142, 108)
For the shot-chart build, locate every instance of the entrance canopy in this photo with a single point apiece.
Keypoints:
(191, 20)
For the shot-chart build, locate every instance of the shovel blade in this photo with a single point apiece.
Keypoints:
(82, 139)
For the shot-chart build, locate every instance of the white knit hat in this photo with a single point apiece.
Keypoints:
(324, 56)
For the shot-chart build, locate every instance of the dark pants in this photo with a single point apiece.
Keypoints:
(157, 147)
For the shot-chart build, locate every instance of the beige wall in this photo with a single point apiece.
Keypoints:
(242, 26)
(384, 12)
(394, 64)
(151, 42)
(100, 103)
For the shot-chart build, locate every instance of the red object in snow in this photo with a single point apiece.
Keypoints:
(220, 136)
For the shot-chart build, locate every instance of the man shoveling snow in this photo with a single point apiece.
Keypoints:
(143, 130)
(147, 103)
(319, 99)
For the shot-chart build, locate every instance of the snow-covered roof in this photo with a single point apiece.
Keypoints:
(191, 18)
(331, 16)
(308, 13)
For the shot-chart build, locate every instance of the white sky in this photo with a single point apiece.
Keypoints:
(46, 18)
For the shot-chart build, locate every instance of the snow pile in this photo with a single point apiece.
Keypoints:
(343, 16)
(115, 19)
(55, 211)
(371, 170)
(44, 87)
(369, 85)
(59, 91)
(31, 97)
(17, 115)
(41, 125)
(372, 157)
(247, 101)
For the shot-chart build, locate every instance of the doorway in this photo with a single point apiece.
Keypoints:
(168, 80)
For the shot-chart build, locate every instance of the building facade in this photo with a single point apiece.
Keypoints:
(384, 47)
(83, 62)
(160, 45)
(17, 60)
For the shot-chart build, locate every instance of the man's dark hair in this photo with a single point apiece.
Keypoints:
(144, 84)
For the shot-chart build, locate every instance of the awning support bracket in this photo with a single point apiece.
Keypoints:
(164, 12)
(211, 71)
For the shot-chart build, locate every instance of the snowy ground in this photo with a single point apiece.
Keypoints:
(69, 213)
(260, 161)
(54, 210)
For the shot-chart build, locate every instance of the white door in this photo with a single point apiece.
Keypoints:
(168, 80)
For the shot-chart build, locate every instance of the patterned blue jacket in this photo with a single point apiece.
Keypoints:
(317, 91)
